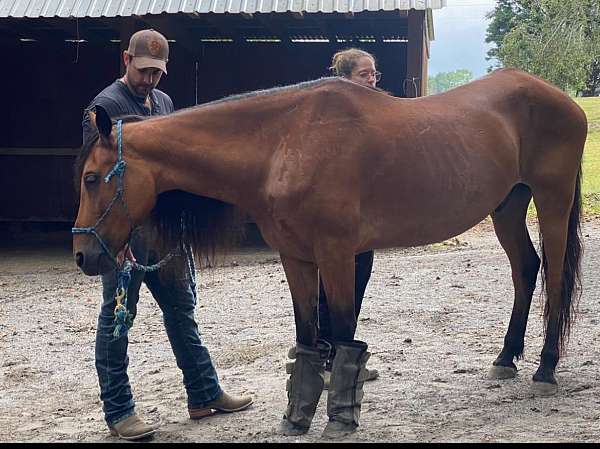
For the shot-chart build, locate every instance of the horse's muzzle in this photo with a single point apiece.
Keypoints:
(93, 264)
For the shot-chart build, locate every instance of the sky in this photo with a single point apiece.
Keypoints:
(460, 29)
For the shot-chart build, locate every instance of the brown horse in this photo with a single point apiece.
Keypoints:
(328, 169)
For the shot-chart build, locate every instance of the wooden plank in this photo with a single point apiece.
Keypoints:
(414, 64)
(16, 151)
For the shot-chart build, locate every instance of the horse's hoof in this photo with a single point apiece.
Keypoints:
(544, 389)
(499, 372)
(288, 429)
(334, 430)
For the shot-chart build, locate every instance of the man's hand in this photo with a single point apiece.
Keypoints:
(125, 253)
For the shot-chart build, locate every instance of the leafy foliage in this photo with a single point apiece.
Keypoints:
(558, 40)
(444, 81)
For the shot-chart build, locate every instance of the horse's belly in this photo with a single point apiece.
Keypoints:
(423, 221)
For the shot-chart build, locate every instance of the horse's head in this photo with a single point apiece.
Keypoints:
(116, 194)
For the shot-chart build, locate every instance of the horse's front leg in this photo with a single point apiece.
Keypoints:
(306, 381)
(348, 373)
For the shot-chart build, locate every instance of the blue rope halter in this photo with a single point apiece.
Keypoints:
(119, 170)
(123, 318)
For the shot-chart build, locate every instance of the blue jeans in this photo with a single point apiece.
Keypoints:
(176, 296)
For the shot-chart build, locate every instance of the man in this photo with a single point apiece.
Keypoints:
(135, 93)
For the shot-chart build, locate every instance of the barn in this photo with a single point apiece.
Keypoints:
(58, 54)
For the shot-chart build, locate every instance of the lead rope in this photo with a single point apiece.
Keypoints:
(123, 317)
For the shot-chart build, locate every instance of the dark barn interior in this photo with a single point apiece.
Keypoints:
(54, 66)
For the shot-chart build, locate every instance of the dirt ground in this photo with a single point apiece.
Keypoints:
(434, 318)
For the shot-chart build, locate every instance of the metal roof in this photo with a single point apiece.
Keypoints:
(115, 8)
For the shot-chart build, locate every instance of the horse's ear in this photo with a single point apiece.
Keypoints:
(103, 122)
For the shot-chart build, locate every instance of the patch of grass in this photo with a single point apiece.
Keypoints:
(591, 156)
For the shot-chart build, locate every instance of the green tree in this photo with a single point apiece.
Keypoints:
(558, 40)
(444, 81)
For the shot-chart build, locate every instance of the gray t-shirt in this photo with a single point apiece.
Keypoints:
(118, 100)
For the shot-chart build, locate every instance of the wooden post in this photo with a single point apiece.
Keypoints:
(416, 64)
(126, 29)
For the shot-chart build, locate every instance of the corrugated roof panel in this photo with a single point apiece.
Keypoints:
(249, 5)
(174, 6)
(234, 6)
(96, 8)
(19, 8)
(326, 6)
(217, 6)
(35, 8)
(5, 7)
(264, 6)
(280, 6)
(157, 6)
(142, 7)
(67, 8)
(82, 8)
(51, 8)
(188, 6)
(114, 8)
(310, 5)
(344, 5)
(204, 6)
(127, 7)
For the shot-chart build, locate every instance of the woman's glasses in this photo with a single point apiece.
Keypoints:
(367, 75)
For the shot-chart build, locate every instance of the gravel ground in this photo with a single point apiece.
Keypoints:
(434, 318)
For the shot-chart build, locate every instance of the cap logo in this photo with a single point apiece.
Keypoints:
(154, 47)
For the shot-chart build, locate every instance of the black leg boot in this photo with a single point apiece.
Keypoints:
(345, 395)
(304, 387)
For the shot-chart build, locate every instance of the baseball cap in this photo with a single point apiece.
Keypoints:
(149, 48)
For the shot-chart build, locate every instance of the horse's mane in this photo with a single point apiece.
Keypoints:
(209, 224)
(256, 93)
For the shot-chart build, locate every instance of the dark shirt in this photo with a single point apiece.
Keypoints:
(118, 100)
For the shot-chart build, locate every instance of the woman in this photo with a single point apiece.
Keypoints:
(358, 66)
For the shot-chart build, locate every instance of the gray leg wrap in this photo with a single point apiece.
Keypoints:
(345, 395)
(304, 387)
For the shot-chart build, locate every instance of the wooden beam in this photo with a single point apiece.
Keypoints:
(126, 30)
(413, 84)
(14, 151)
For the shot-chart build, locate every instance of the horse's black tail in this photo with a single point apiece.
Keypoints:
(571, 275)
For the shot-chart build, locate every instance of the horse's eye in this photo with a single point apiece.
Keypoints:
(90, 178)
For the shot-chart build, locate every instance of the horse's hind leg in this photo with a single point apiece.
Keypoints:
(511, 229)
(306, 381)
(559, 206)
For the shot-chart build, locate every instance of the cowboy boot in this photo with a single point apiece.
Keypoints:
(304, 387)
(345, 395)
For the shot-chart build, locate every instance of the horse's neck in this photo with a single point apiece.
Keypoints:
(202, 153)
